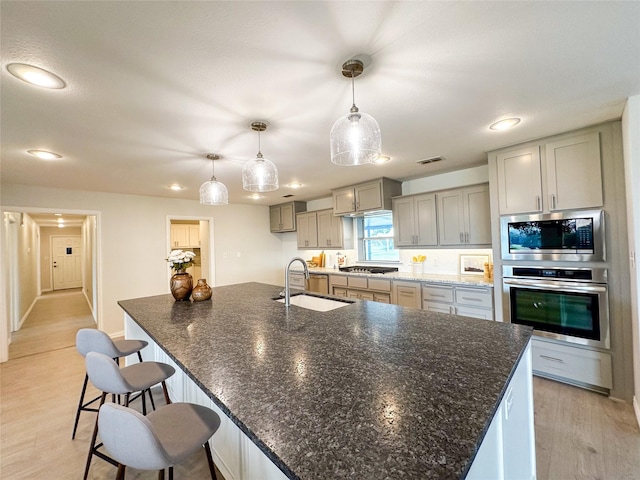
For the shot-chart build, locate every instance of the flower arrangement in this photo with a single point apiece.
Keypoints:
(418, 259)
(180, 260)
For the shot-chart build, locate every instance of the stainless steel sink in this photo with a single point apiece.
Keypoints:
(318, 304)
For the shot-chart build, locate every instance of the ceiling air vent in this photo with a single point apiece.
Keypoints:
(424, 161)
(287, 195)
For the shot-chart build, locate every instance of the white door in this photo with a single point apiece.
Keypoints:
(67, 262)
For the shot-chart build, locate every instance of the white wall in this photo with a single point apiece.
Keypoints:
(28, 246)
(631, 146)
(132, 240)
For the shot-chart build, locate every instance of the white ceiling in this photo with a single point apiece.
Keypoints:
(155, 86)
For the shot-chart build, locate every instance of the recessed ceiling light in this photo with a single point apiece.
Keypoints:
(61, 220)
(43, 154)
(58, 214)
(35, 76)
(382, 159)
(505, 123)
(255, 196)
(60, 225)
(294, 185)
(176, 187)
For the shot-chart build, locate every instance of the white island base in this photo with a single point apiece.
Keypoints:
(507, 451)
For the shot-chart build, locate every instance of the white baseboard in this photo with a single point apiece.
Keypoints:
(24, 317)
(117, 334)
(636, 409)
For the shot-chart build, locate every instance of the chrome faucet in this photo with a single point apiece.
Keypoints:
(287, 296)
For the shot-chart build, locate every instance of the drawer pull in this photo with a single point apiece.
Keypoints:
(553, 359)
(472, 299)
(437, 296)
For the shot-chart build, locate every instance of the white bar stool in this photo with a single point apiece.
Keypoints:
(160, 440)
(105, 375)
(93, 340)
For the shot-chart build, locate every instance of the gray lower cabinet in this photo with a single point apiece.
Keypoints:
(407, 294)
(572, 364)
(467, 301)
(361, 288)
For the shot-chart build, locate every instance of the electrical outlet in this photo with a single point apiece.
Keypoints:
(435, 262)
(238, 254)
(225, 255)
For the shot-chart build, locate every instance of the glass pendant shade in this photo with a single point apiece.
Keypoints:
(259, 175)
(355, 139)
(214, 193)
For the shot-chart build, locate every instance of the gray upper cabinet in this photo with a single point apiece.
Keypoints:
(307, 230)
(562, 175)
(375, 195)
(414, 220)
(519, 181)
(574, 173)
(459, 217)
(282, 218)
(322, 229)
(464, 216)
(334, 232)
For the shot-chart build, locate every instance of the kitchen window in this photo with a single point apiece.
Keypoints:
(375, 235)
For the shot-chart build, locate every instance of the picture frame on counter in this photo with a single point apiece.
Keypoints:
(473, 264)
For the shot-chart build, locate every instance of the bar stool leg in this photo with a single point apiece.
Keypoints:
(93, 440)
(84, 389)
(120, 474)
(212, 467)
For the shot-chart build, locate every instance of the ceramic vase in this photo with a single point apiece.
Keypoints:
(201, 291)
(181, 285)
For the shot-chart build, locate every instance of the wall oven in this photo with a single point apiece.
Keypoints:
(560, 236)
(570, 304)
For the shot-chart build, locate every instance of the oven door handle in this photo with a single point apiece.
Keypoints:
(551, 285)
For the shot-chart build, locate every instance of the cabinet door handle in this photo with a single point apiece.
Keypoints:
(553, 201)
(538, 206)
(451, 310)
(466, 237)
(469, 299)
(461, 238)
(553, 359)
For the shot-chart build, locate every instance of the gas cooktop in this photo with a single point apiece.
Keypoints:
(368, 269)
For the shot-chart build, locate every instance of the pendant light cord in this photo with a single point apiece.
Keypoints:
(353, 90)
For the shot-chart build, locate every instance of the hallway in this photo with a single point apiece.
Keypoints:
(52, 323)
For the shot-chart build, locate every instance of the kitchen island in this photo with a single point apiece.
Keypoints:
(367, 390)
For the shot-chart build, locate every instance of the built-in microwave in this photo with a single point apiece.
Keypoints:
(560, 236)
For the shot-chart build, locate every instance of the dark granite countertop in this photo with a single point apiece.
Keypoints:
(369, 390)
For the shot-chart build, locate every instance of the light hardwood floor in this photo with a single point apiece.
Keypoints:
(579, 434)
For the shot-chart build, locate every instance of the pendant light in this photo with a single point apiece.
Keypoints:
(355, 137)
(213, 192)
(259, 174)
